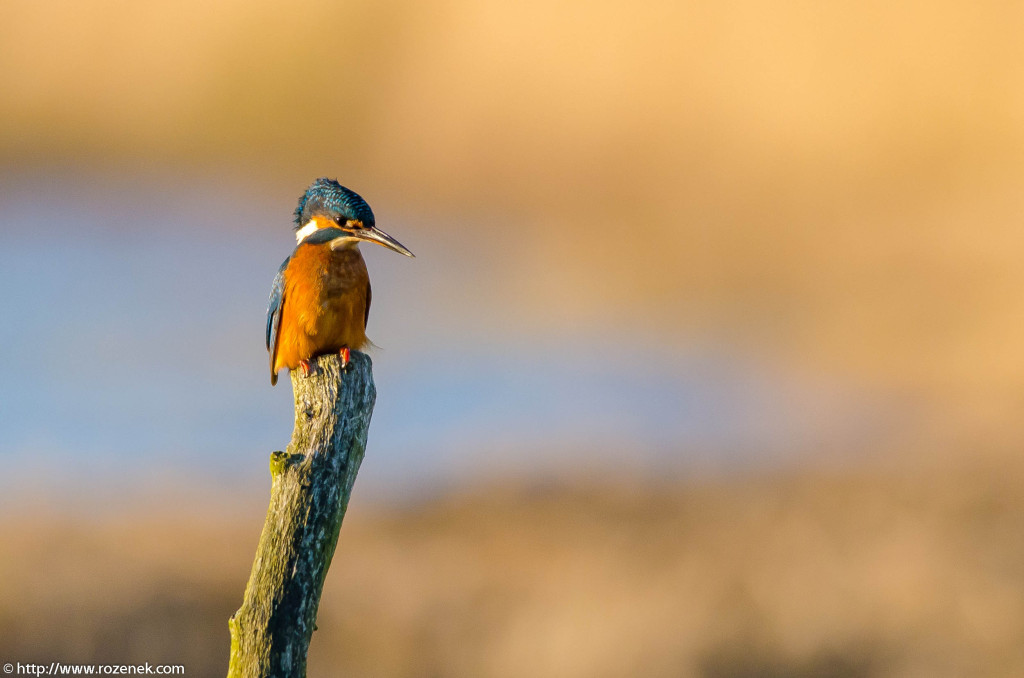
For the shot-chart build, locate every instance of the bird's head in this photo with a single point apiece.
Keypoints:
(339, 216)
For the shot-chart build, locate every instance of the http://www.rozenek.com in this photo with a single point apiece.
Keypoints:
(62, 669)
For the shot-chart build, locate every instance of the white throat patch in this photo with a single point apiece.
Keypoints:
(344, 243)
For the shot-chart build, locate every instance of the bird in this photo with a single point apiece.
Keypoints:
(320, 299)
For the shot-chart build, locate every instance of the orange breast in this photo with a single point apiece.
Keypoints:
(324, 307)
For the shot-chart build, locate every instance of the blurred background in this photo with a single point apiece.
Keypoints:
(710, 362)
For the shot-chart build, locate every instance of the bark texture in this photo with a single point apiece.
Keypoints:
(311, 485)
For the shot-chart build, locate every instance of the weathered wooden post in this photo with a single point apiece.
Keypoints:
(311, 485)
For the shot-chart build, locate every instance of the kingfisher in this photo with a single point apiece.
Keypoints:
(320, 300)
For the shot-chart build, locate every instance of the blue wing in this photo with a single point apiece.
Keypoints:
(274, 316)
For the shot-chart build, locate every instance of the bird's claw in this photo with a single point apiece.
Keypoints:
(307, 367)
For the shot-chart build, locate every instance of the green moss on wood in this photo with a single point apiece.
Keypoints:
(279, 461)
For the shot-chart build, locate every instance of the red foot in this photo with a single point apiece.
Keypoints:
(306, 369)
(346, 355)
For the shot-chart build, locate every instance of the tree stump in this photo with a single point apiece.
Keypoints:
(311, 485)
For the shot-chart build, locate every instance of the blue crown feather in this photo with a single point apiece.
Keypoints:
(327, 196)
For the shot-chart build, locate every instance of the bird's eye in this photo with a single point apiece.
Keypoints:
(339, 220)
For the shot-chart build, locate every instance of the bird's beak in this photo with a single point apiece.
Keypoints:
(378, 236)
